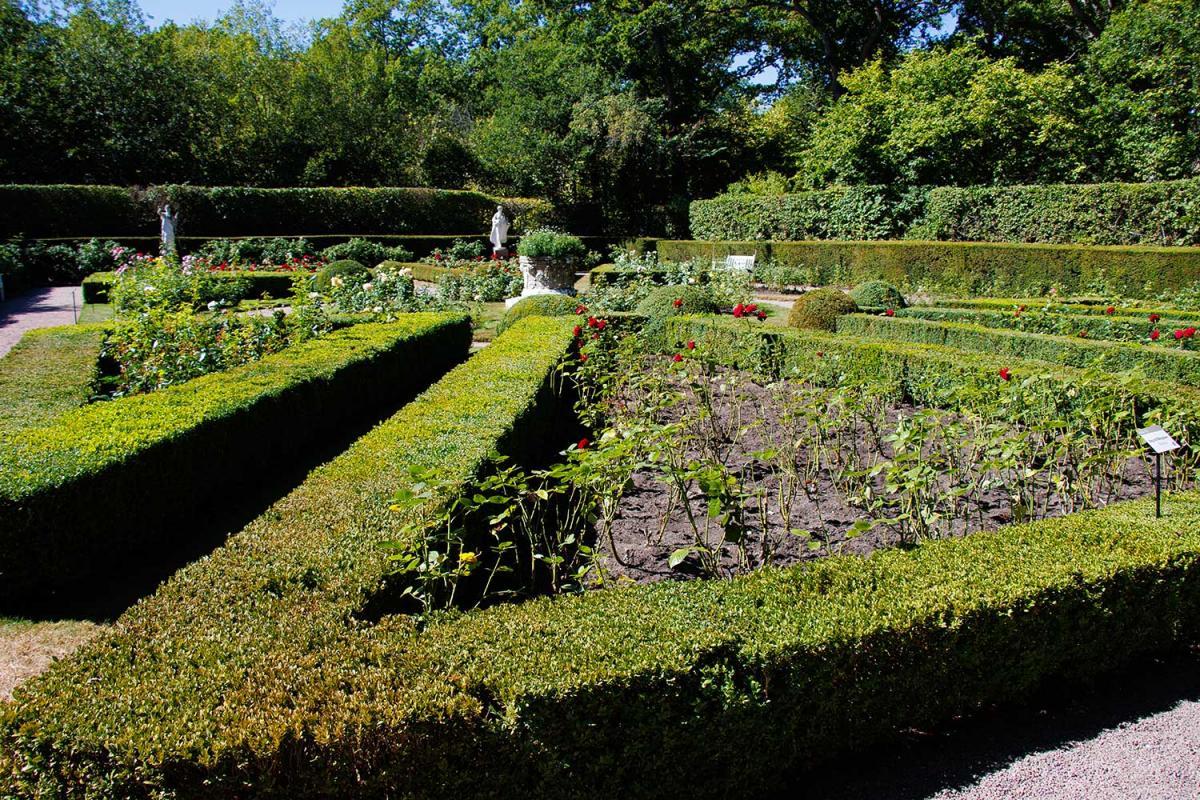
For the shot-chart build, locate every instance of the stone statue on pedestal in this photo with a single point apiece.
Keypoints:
(499, 234)
(169, 221)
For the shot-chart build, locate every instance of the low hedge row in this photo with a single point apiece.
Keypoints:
(1071, 306)
(1163, 213)
(939, 375)
(1117, 327)
(49, 372)
(247, 660)
(277, 285)
(110, 211)
(251, 675)
(963, 268)
(96, 486)
(1161, 363)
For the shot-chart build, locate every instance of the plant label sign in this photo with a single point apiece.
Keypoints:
(1159, 440)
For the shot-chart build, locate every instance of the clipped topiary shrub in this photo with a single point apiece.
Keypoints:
(820, 309)
(877, 294)
(539, 305)
(346, 269)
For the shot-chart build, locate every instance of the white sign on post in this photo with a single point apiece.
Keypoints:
(1159, 440)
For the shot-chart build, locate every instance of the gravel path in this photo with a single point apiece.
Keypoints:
(40, 308)
(1134, 736)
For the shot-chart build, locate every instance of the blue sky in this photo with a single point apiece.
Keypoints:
(184, 11)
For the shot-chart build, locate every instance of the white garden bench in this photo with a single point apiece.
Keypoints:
(742, 263)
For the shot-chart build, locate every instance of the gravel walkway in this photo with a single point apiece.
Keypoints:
(40, 308)
(1133, 736)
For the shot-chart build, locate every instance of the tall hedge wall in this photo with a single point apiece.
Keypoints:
(845, 213)
(966, 268)
(95, 487)
(1165, 213)
(115, 212)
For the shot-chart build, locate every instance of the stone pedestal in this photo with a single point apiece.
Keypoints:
(545, 276)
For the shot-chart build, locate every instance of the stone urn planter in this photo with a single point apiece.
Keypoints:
(547, 275)
(548, 259)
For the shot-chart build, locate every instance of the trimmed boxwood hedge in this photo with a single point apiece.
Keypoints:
(1117, 327)
(192, 679)
(112, 481)
(277, 285)
(1072, 306)
(1182, 366)
(251, 674)
(936, 375)
(111, 211)
(48, 372)
(963, 268)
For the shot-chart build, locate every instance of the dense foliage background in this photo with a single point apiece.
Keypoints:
(625, 108)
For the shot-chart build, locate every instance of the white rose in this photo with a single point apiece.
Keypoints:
(378, 309)
(336, 282)
(368, 286)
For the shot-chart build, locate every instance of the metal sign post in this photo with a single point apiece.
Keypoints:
(1160, 442)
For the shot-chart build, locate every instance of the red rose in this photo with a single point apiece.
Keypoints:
(1022, 308)
(890, 312)
(580, 309)
(678, 302)
(1179, 333)
(591, 322)
(820, 354)
(1110, 310)
(601, 324)
(750, 308)
(1154, 334)
(578, 330)
(595, 335)
(761, 315)
(677, 358)
(583, 443)
(691, 345)
(1083, 334)
(1155, 317)
(738, 310)
(1189, 332)
(583, 356)
(1005, 374)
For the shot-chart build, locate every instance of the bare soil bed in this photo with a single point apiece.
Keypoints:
(652, 523)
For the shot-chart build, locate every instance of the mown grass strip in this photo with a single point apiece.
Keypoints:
(49, 372)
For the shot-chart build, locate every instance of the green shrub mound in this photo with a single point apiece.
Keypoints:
(665, 302)
(962, 269)
(1162, 213)
(551, 244)
(256, 250)
(346, 269)
(49, 372)
(216, 211)
(877, 294)
(1161, 363)
(245, 285)
(820, 309)
(104, 483)
(277, 612)
(538, 305)
(365, 252)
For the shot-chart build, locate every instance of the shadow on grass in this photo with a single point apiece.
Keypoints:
(955, 756)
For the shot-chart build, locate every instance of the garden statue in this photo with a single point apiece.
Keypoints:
(499, 234)
(169, 221)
